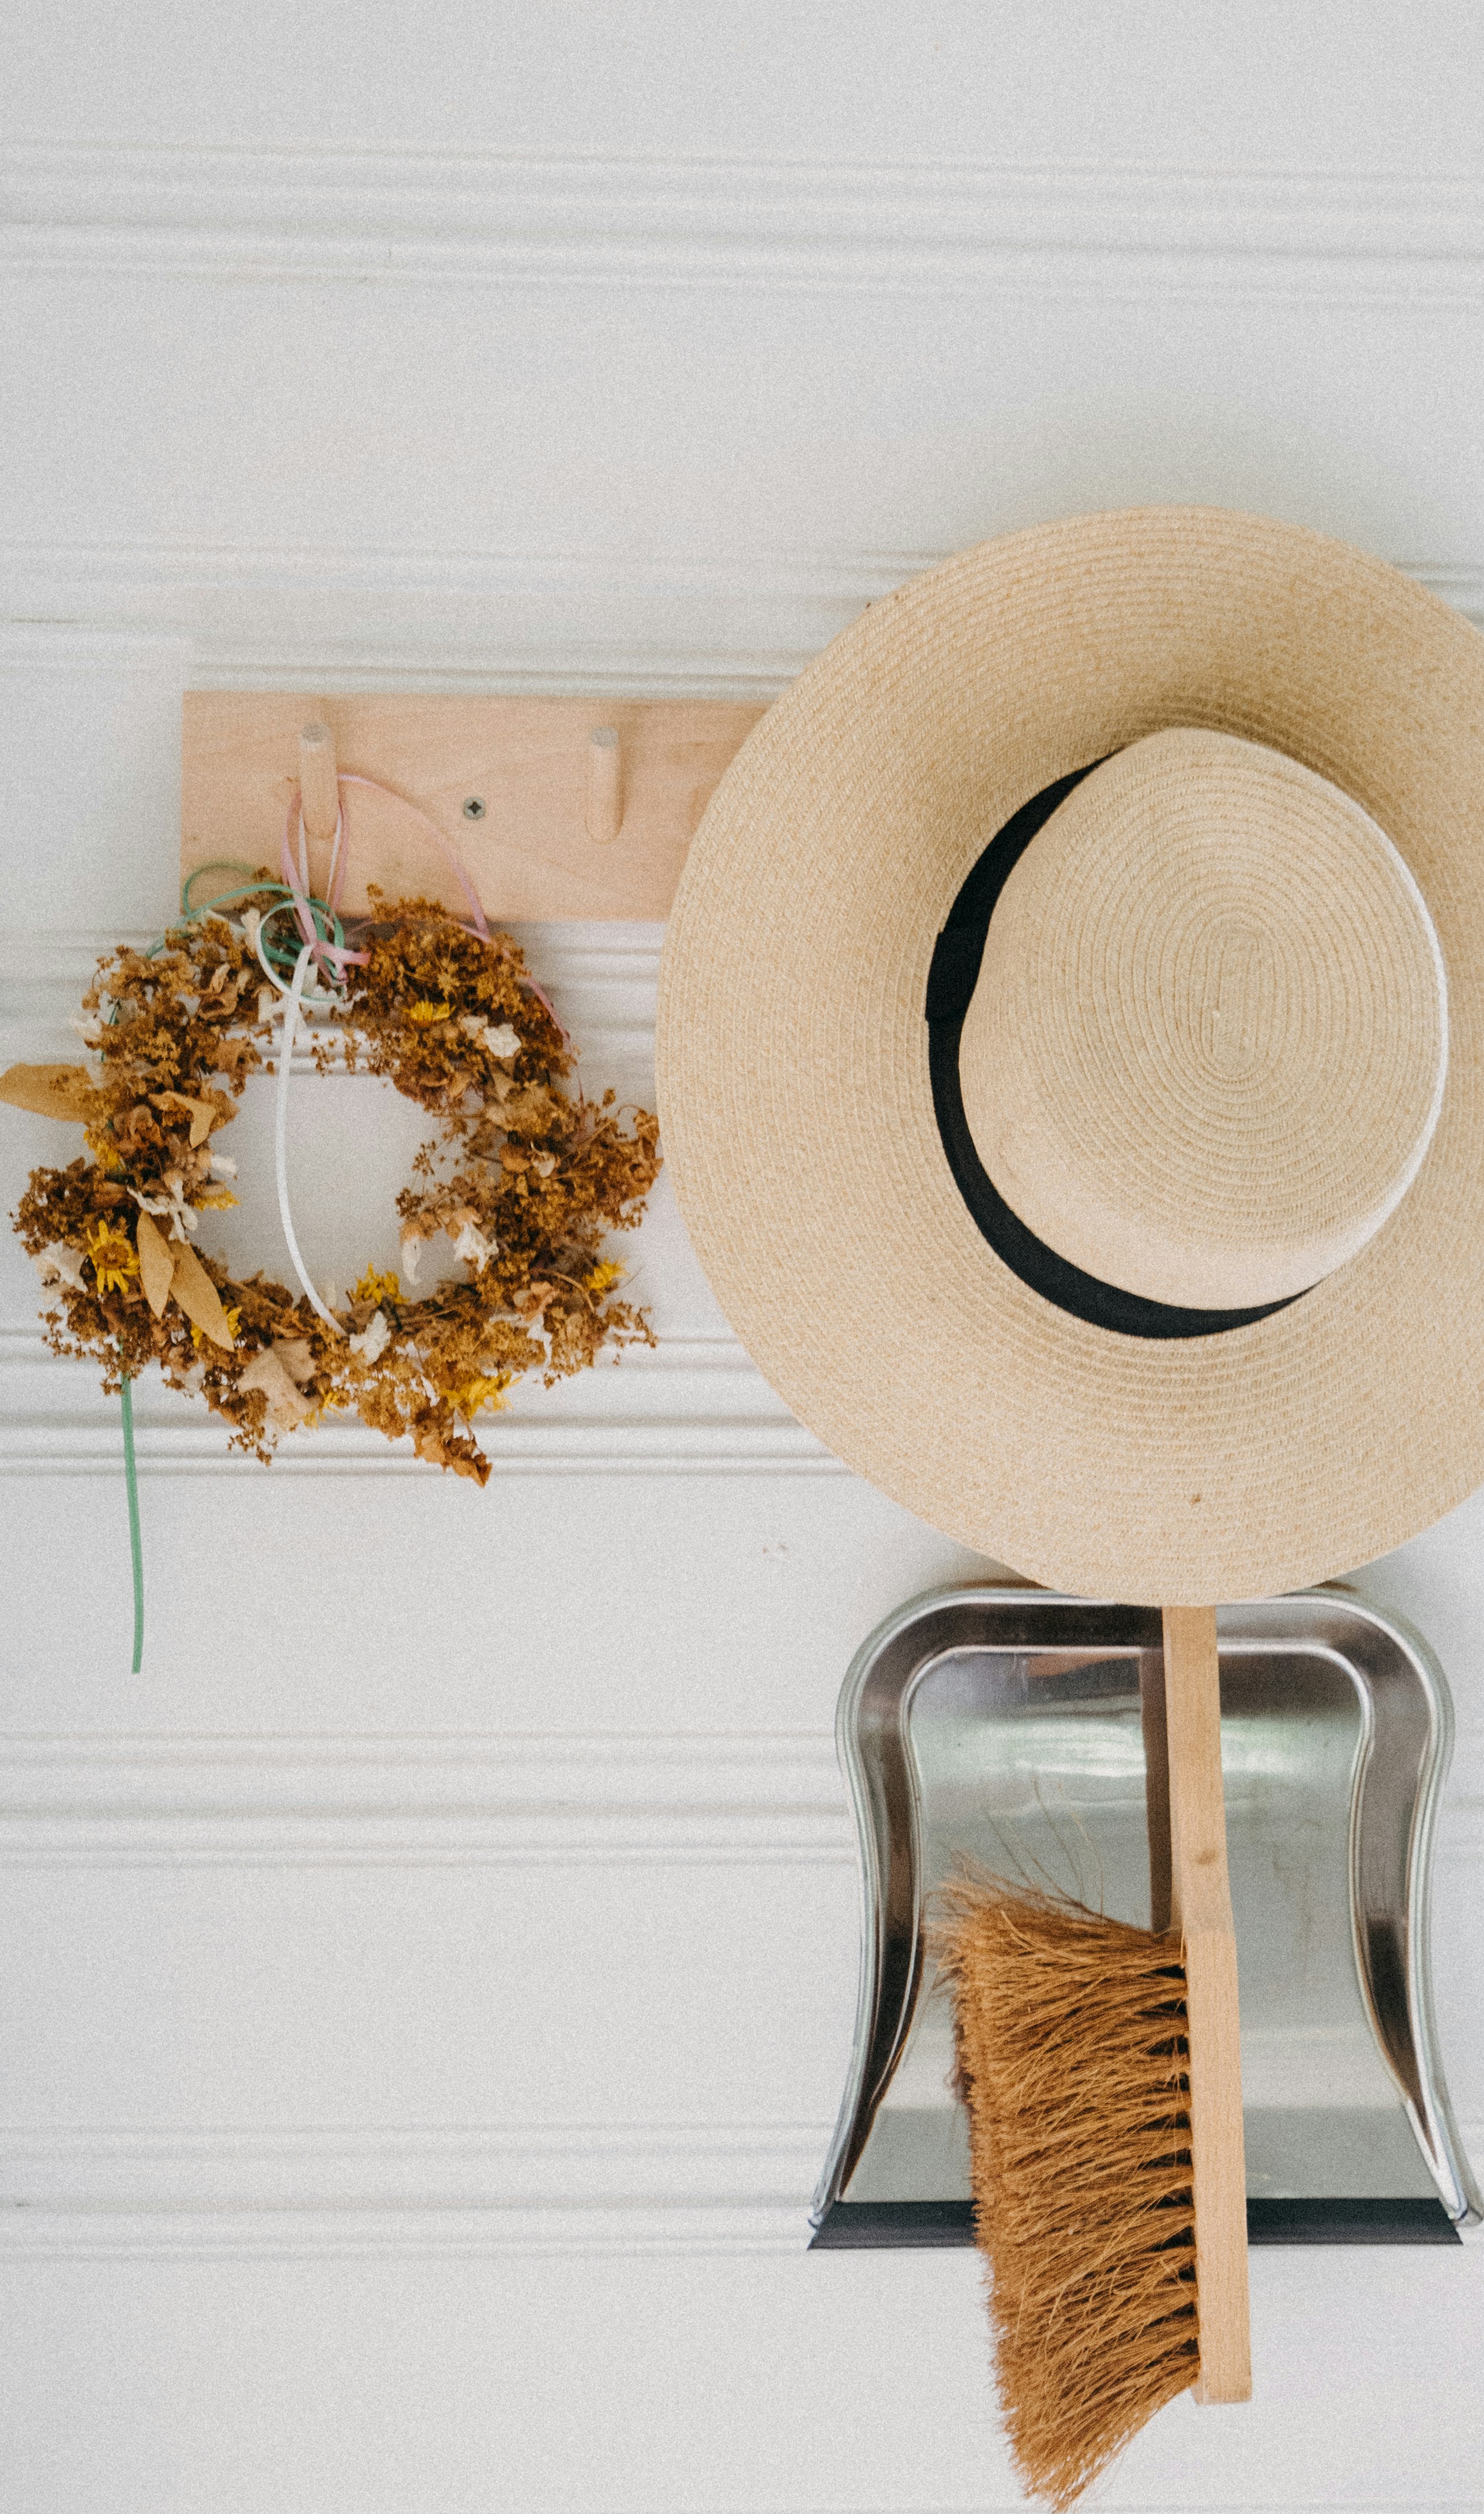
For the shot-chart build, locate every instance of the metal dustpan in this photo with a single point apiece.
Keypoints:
(1003, 1727)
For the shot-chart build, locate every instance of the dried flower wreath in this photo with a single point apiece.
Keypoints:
(524, 1178)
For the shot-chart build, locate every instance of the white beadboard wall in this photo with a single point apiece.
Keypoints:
(425, 1991)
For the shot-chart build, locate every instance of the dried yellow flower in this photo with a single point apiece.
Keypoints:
(103, 1148)
(232, 1318)
(114, 1261)
(479, 1391)
(376, 1289)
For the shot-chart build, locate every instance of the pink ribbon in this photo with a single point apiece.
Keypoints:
(331, 959)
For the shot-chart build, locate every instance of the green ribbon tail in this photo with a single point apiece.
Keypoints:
(136, 1548)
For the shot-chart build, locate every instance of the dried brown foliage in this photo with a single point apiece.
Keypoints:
(525, 1177)
(1070, 2037)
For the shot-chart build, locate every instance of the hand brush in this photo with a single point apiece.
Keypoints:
(1102, 2069)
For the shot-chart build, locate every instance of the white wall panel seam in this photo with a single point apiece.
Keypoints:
(118, 1779)
(246, 1773)
(631, 2231)
(474, 2164)
(556, 623)
(554, 2167)
(86, 591)
(641, 1845)
(1146, 230)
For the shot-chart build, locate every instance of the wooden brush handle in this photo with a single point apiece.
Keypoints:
(1200, 1908)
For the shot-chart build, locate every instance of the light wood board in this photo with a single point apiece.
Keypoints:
(1201, 1910)
(569, 827)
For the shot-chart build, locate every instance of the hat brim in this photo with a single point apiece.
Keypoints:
(797, 1107)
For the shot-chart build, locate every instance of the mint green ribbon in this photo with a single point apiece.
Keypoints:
(325, 921)
(136, 1549)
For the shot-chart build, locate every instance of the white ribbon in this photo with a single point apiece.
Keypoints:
(287, 1039)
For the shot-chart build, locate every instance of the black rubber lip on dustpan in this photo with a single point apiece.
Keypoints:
(948, 2225)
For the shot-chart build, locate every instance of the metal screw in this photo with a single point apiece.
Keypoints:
(473, 809)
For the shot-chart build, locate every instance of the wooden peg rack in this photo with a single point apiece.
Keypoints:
(556, 807)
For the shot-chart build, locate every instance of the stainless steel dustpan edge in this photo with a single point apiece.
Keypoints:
(1399, 1773)
(1429, 2107)
(879, 2036)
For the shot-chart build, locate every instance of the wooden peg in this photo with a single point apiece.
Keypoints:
(605, 787)
(318, 782)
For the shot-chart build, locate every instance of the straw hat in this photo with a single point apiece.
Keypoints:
(1071, 1053)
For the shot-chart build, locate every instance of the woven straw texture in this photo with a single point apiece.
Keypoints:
(1206, 1052)
(794, 1085)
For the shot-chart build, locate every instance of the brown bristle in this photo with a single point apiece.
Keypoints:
(1070, 2033)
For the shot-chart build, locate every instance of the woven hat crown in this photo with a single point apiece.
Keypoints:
(1206, 1052)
